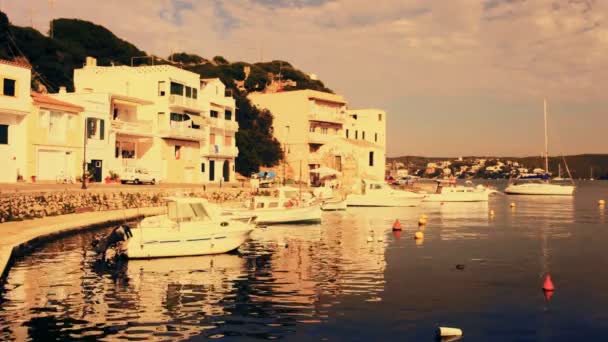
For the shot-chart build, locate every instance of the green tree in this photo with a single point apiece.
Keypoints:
(258, 79)
(186, 58)
(220, 60)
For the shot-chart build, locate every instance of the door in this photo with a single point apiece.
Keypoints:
(226, 171)
(212, 170)
(95, 168)
(51, 165)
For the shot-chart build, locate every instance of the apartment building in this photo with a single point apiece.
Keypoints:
(219, 151)
(119, 134)
(55, 140)
(15, 105)
(158, 120)
(367, 129)
(304, 122)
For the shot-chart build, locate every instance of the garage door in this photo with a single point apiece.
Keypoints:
(51, 164)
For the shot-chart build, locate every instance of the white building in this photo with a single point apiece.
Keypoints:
(15, 105)
(159, 120)
(367, 129)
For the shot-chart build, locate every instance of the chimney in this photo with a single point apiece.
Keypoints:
(91, 61)
(62, 90)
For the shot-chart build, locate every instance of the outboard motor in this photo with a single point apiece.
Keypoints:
(113, 240)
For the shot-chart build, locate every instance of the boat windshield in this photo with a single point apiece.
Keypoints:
(183, 212)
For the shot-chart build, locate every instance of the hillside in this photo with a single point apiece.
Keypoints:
(580, 165)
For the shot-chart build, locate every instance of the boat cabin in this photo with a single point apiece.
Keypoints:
(187, 209)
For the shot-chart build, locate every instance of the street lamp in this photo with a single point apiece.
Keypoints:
(285, 154)
(84, 155)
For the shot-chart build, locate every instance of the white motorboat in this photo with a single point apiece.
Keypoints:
(459, 193)
(192, 226)
(287, 206)
(380, 194)
(540, 185)
(334, 205)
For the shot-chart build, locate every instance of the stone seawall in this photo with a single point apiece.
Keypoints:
(20, 206)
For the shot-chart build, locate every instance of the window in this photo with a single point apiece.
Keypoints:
(371, 158)
(311, 129)
(189, 92)
(43, 118)
(338, 162)
(178, 152)
(354, 116)
(214, 114)
(161, 88)
(347, 133)
(212, 138)
(194, 93)
(376, 137)
(363, 135)
(71, 122)
(324, 130)
(379, 117)
(228, 115)
(356, 134)
(179, 117)
(228, 140)
(177, 89)
(95, 128)
(8, 88)
(161, 118)
(202, 167)
(3, 134)
(57, 126)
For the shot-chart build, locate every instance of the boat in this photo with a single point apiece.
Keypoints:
(380, 194)
(334, 205)
(559, 177)
(540, 185)
(459, 193)
(288, 205)
(191, 227)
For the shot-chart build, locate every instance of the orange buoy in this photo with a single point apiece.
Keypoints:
(397, 234)
(548, 284)
(397, 225)
(419, 235)
(422, 221)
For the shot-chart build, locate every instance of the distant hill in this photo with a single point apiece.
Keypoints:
(580, 165)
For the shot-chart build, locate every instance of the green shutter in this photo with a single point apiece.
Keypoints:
(101, 128)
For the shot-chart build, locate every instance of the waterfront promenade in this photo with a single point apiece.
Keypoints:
(16, 235)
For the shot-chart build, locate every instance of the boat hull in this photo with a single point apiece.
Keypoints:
(334, 206)
(540, 189)
(381, 201)
(167, 242)
(481, 196)
(308, 214)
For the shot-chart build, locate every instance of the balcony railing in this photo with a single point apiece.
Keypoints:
(231, 125)
(320, 138)
(184, 102)
(139, 128)
(180, 131)
(222, 150)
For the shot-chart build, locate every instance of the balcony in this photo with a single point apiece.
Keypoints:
(222, 150)
(133, 128)
(320, 138)
(333, 116)
(314, 158)
(182, 132)
(231, 125)
(184, 103)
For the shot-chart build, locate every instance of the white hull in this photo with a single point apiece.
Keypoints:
(540, 189)
(374, 200)
(281, 215)
(336, 205)
(474, 196)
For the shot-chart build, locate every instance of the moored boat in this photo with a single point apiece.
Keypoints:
(459, 193)
(380, 194)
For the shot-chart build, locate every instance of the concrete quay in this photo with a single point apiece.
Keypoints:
(20, 236)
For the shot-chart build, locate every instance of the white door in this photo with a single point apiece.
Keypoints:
(51, 164)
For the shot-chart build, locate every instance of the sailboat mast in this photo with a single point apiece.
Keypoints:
(546, 140)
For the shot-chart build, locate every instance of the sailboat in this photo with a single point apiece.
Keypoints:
(541, 185)
(559, 174)
(591, 178)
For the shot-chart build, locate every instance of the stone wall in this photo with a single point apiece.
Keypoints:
(20, 206)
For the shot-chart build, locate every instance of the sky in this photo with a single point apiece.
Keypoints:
(457, 77)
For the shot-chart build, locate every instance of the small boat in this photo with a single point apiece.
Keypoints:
(287, 206)
(334, 205)
(192, 226)
(459, 193)
(380, 194)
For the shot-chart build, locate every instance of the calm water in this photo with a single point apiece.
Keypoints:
(326, 282)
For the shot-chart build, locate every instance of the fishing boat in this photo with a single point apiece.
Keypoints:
(287, 205)
(380, 194)
(192, 226)
(459, 193)
(540, 185)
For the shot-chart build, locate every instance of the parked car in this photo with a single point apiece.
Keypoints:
(136, 176)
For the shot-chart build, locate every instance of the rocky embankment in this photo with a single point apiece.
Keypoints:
(18, 207)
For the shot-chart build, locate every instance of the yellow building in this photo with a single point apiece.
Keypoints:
(55, 140)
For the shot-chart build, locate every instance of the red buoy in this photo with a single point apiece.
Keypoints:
(548, 284)
(397, 225)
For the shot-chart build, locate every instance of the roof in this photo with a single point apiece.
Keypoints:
(308, 93)
(20, 64)
(47, 101)
(130, 99)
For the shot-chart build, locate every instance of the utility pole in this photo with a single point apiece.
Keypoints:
(84, 156)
